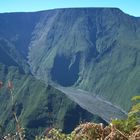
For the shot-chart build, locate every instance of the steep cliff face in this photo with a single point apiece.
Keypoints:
(93, 49)
(17, 28)
(35, 102)
(35, 105)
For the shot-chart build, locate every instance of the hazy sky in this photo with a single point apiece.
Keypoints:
(131, 7)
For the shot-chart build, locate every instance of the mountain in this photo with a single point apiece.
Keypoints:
(35, 102)
(92, 49)
(95, 49)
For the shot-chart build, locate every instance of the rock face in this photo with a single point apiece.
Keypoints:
(94, 49)
(35, 102)
(37, 105)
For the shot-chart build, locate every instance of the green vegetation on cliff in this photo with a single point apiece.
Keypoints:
(95, 49)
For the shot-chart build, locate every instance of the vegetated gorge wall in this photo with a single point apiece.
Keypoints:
(92, 52)
(95, 49)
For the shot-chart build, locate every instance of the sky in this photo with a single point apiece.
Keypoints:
(131, 7)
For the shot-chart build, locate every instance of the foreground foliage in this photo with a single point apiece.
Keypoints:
(92, 131)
